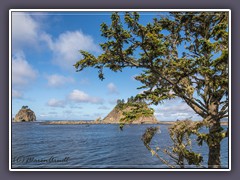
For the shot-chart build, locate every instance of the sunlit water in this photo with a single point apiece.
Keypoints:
(90, 146)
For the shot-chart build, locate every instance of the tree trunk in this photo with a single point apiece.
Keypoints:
(181, 161)
(214, 144)
(214, 155)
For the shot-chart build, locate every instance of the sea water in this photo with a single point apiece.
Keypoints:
(35, 145)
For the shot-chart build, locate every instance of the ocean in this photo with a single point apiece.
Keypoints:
(35, 146)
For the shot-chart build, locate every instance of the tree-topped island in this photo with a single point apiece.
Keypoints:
(123, 113)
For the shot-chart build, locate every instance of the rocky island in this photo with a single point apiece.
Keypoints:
(132, 112)
(25, 114)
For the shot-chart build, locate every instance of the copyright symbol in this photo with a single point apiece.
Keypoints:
(19, 159)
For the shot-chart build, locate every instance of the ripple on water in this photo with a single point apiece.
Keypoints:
(94, 146)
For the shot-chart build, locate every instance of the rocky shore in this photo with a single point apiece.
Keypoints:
(85, 122)
(97, 122)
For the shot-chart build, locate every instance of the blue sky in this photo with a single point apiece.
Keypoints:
(44, 48)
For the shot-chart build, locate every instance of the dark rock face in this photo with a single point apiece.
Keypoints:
(116, 114)
(25, 115)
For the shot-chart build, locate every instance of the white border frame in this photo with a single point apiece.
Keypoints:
(110, 10)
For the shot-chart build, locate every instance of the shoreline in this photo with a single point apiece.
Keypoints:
(79, 122)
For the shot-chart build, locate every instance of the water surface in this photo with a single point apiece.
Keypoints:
(90, 146)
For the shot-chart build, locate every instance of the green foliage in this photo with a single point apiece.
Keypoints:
(198, 75)
(24, 107)
(148, 134)
(133, 109)
(147, 138)
(180, 133)
(181, 151)
(120, 104)
(166, 74)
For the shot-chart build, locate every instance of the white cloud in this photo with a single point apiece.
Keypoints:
(112, 88)
(56, 80)
(43, 115)
(180, 115)
(16, 94)
(24, 30)
(158, 114)
(175, 109)
(66, 47)
(80, 96)
(56, 103)
(22, 72)
(175, 106)
(28, 30)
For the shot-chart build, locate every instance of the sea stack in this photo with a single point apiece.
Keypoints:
(25, 114)
(145, 115)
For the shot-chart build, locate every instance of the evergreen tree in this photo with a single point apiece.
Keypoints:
(198, 74)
